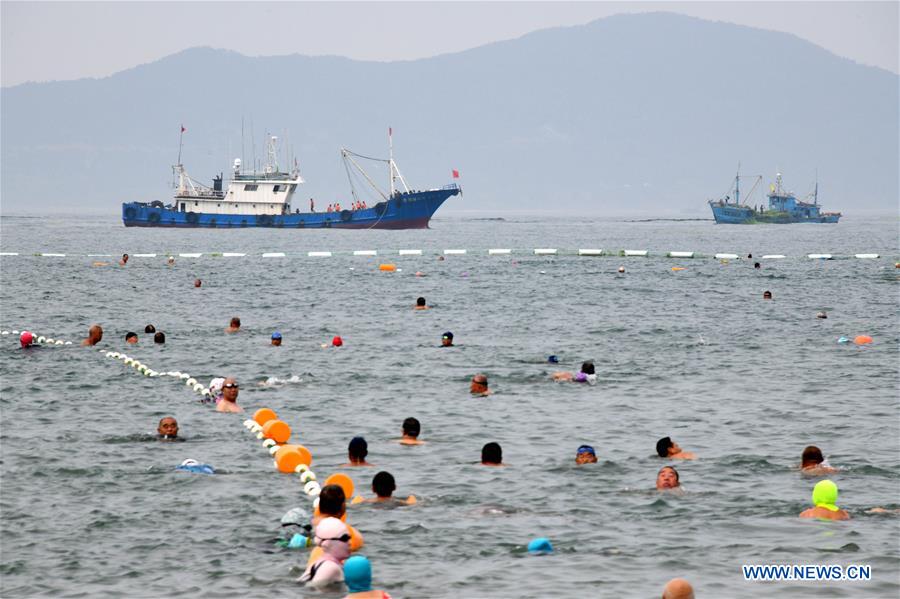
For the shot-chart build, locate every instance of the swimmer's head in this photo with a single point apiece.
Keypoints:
(297, 517)
(553, 359)
(131, 337)
(825, 494)
(411, 427)
(235, 323)
(585, 455)
(95, 334)
(168, 427)
(767, 295)
(337, 341)
(358, 574)
(663, 445)
(821, 315)
(358, 449)
(811, 457)
(332, 501)
(447, 339)
(491, 454)
(587, 367)
(159, 337)
(197, 282)
(420, 302)
(334, 537)
(479, 383)
(26, 338)
(756, 265)
(383, 484)
(622, 269)
(149, 329)
(667, 478)
(540, 545)
(276, 338)
(230, 389)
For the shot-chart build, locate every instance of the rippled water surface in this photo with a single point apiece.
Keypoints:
(91, 507)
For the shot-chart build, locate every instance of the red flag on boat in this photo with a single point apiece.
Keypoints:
(455, 174)
(390, 131)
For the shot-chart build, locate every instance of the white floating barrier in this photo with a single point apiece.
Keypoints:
(189, 255)
(544, 252)
(642, 253)
(680, 254)
(726, 256)
(233, 254)
(9, 253)
(773, 257)
(454, 252)
(273, 255)
(497, 251)
(867, 256)
(143, 255)
(318, 254)
(365, 252)
(819, 256)
(590, 252)
(53, 255)
(99, 255)
(410, 252)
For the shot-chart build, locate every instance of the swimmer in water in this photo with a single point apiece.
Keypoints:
(678, 588)
(131, 337)
(95, 334)
(587, 374)
(492, 455)
(149, 329)
(332, 503)
(159, 337)
(621, 270)
(822, 315)
(358, 578)
(585, 455)
(383, 485)
(411, 429)
(197, 282)
(479, 385)
(824, 497)
(756, 265)
(420, 304)
(813, 463)
(276, 338)
(667, 448)
(667, 479)
(124, 260)
(228, 403)
(171, 261)
(234, 326)
(767, 295)
(333, 537)
(167, 429)
(357, 452)
(447, 339)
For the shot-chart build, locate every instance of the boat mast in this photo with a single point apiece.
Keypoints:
(737, 185)
(391, 156)
(816, 190)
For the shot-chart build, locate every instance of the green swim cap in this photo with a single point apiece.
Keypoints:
(825, 495)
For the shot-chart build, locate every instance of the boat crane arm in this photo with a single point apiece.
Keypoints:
(348, 157)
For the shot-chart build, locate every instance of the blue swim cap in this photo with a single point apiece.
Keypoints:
(553, 359)
(196, 467)
(358, 574)
(276, 335)
(586, 449)
(540, 545)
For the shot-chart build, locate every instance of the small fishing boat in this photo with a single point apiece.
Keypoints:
(784, 207)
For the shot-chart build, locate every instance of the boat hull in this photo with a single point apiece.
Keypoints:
(736, 214)
(412, 210)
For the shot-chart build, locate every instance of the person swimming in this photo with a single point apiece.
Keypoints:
(234, 325)
(587, 374)
(411, 429)
(276, 338)
(812, 462)
(358, 578)
(383, 485)
(447, 339)
(667, 448)
(333, 537)
(357, 451)
(131, 337)
(167, 430)
(420, 304)
(492, 455)
(667, 479)
(228, 403)
(767, 295)
(296, 529)
(95, 335)
(585, 455)
(479, 385)
(824, 498)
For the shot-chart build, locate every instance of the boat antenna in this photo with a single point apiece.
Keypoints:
(816, 191)
(243, 155)
(391, 157)
(181, 142)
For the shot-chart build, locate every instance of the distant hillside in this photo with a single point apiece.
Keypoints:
(644, 113)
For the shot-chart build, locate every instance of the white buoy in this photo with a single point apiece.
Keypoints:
(866, 256)
(41, 339)
(301, 468)
(307, 476)
(260, 435)
(636, 253)
(233, 254)
(590, 252)
(819, 256)
(190, 381)
(544, 252)
(365, 252)
(319, 254)
(248, 422)
(499, 251)
(273, 255)
(312, 488)
(184, 376)
(51, 341)
(454, 252)
(198, 388)
(273, 450)
(726, 256)
(269, 443)
(773, 256)
(680, 254)
(410, 252)
(60, 342)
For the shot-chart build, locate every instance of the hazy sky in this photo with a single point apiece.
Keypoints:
(43, 41)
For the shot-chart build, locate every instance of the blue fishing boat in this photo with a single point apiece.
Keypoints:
(784, 207)
(263, 199)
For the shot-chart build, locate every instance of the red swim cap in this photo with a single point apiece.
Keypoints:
(337, 341)
(26, 338)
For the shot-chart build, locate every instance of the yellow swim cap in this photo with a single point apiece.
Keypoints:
(825, 495)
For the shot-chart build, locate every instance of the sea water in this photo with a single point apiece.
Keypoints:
(92, 505)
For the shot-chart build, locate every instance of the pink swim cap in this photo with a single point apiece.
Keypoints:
(26, 338)
(337, 341)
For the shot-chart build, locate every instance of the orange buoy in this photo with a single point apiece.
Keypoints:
(287, 458)
(387, 267)
(263, 415)
(676, 268)
(343, 481)
(862, 340)
(356, 538)
(277, 430)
